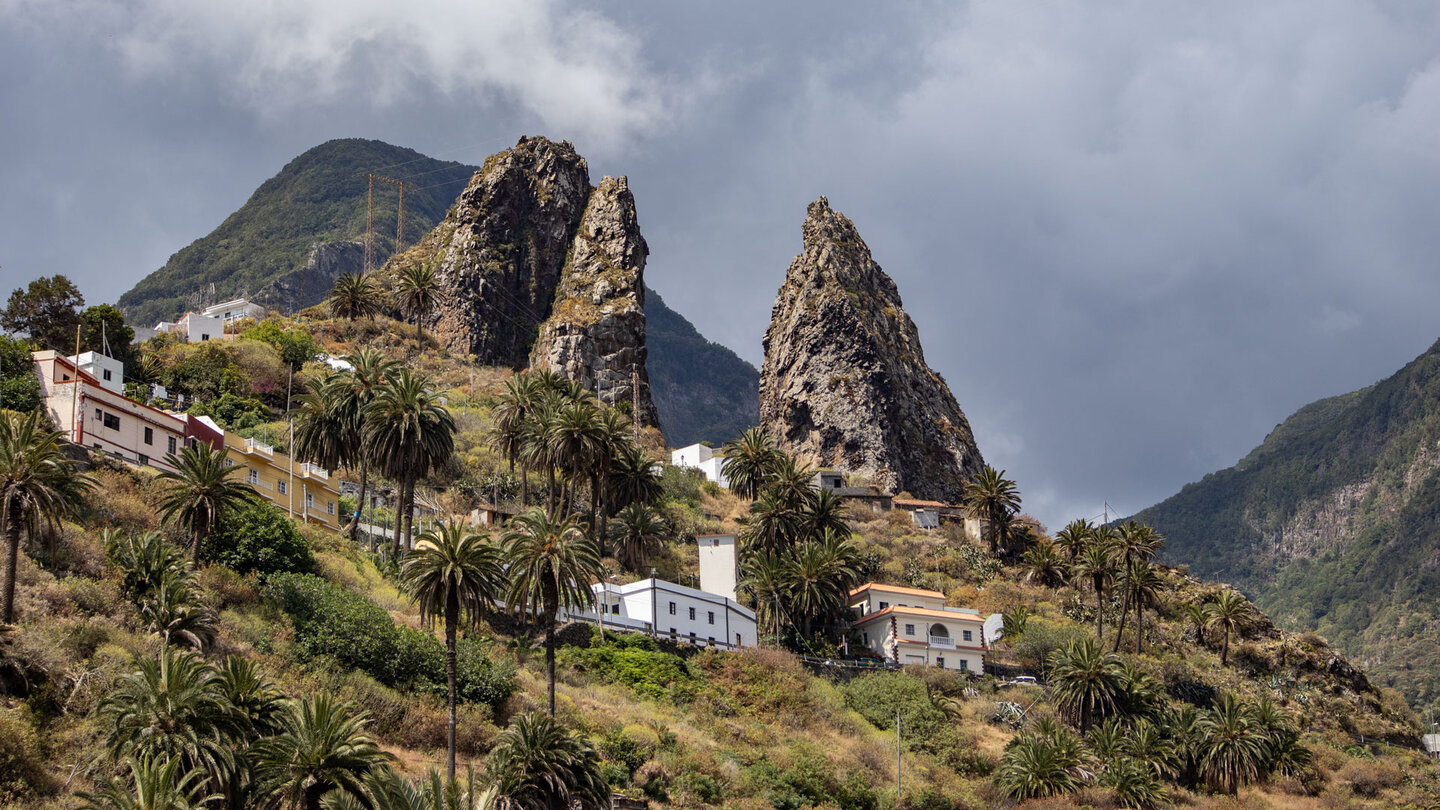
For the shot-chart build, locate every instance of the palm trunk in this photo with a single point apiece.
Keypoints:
(595, 512)
(1139, 625)
(354, 528)
(1099, 612)
(12, 560)
(1124, 614)
(524, 488)
(1225, 647)
(409, 515)
(314, 792)
(399, 507)
(452, 618)
(550, 493)
(550, 659)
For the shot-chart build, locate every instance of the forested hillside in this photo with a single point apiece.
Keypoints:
(1333, 524)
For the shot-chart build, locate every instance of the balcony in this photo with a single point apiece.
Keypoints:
(262, 485)
(943, 642)
(252, 446)
(313, 471)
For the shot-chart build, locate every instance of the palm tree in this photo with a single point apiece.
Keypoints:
(576, 438)
(773, 524)
(355, 295)
(199, 490)
(767, 576)
(174, 612)
(1074, 537)
(1199, 616)
(816, 589)
(1231, 613)
(639, 531)
(144, 561)
(153, 784)
(551, 565)
(993, 498)
(792, 484)
(1034, 767)
(1234, 748)
(174, 708)
(1135, 541)
(410, 433)
(1043, 565)
(322, 748)
(417, 291)
(38, 487)
(1134, 783)
(455, 574)
(258, 700)
(1097, 564)
(825, 513)
(632, 478)
(513, 412)
(538, 765)
(1144, 582)
(1088, 682)
(750, 462)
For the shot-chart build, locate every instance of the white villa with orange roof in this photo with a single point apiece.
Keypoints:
(913, 626)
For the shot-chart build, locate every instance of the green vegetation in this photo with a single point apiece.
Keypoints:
(319, 196)
(701, 389)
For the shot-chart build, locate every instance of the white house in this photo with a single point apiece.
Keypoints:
(235, 310)
(667, 610)
(913, 626)
(702, 458)
(194, 327)
(107, 371)
(719, 564)
(90, 412)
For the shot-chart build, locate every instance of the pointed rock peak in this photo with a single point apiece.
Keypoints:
(845, 383)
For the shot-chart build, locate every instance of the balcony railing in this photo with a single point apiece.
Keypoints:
(262, 485)
(313, 471)
(942, 641)
(252, 446)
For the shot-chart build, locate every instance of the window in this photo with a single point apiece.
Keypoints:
(964, 665)
(170, 444)
(692, 614)
(884, 605)
(711, 641)
(940, 661)
(692, 638)
(282, 487)
(144, 459)
(672, 611)
(254, 476)
(149, 435)
(712, 616)
(112, 421)
(968, 635)
(866, 639)
(909, 629)
(329, 507)
(739, 642)
(615, 608)
(98, 413)
(204, 336)
(309, 500)
(105, 375)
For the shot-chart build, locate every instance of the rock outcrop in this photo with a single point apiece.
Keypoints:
(309, 285)
(845, 384)
(539, 269)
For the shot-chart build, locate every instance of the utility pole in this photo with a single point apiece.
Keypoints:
(370, 215)
(370, 224)
(635, 400)
(897, 757)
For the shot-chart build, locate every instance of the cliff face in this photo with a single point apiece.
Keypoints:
(309, 285)
(538, 268)
(845, 383)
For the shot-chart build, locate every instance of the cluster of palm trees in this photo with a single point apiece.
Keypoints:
(187, 733)
(161, 584)
(1122, 738)
(797, 556)
(358, 295)
(376, 414)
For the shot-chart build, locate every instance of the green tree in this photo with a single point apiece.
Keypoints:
(152, 784)
(258, 537)
(1134, 541)
(750, 462)
(537, 765)
(994, 499)
(1231, 613)
(47, 310)
(1035, 766)
(513, 413)
(410, 433)
(103, 329)
(144, 560)
(551, 565)
(767, 577)
(1233, 746)
(355, 295)
(632, 478)
(1097, 565)
(323, 748)
(38, 487)
(174, 612)
(1043, 565)
(417, 291)
(199, 490)
(19, 385)
(1145, 584)
(457, 575)
(1074, 538)
(1088, 683)
(639, 531)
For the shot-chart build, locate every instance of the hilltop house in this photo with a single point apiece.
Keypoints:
(702, 458)
(913, 626)
(301, 489)
(231, 311)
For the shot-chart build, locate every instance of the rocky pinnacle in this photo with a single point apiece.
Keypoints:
(845, 384)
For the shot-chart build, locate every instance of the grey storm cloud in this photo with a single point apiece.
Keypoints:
(1134, 235)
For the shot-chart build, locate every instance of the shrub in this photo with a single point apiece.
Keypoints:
(480, 679)
(260, 538)
(22, 760)
(649, 672)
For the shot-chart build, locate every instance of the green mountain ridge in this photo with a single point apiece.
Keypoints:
(1333, 524)
(704, 391)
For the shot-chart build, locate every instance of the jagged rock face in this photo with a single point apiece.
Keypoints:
(845, 383)
(310, 284)
(596, 330)
(537, 268)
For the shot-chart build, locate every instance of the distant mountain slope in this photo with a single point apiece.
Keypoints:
(1333, 524)
(704, 391)
(318, 197)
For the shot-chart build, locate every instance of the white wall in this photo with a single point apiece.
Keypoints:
(648, 603)
(719, 565)
(198, 328)
(692, 456)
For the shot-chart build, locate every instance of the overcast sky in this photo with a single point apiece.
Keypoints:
(1135, 235)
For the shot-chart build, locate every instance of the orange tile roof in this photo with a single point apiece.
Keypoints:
(875, 586)
(926, 612)
(912, 502)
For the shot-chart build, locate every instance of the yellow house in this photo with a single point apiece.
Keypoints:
(303, 490)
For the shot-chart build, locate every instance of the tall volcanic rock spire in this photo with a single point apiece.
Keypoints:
(845, 383)
(539, 269)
